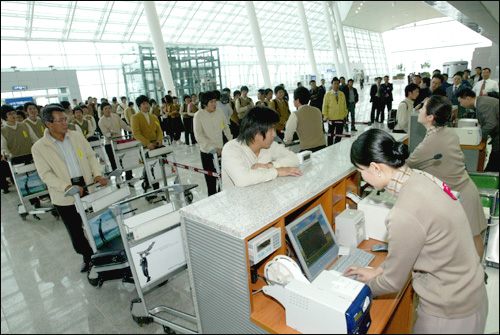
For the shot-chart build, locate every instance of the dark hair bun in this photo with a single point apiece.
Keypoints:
(400, 151)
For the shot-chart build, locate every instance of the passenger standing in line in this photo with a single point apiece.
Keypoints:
(335, 109)
(234, 124)
(280, 106)
(129, 112)
(209, 124)
(450, 168)
(307, 121)
(146, 128)
(88, 117)
(175, 118)
(254, 157)
(261, 96)
(63, 159)
(122, 107)
(85, 125)
(405, 109)
(426, 220)
(188, 121)
(164, 118)
(352, 97)
(224, 107)
(386, 99)
(114, 106)
(111, 126)
(269, 96)
(317, 95)
(375, 99)
(424, 93)
(243, 103)
(436, 83)
(33, 120)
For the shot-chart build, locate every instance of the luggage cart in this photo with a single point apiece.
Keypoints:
(154, 246)
(101, 156)
(109, 260)
(29, 186)
(157, 170)
(127, 154)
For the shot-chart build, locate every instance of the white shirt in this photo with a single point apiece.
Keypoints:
(491, 86)
(114, 124)
(291, 128)
(68, 155)
(208, 128)
(146, 115)
(238, 158)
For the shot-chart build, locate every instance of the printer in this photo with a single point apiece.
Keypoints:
(376, 206)
(469, 132)
(331, 304)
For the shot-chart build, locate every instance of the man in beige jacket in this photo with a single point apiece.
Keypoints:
(64, 158)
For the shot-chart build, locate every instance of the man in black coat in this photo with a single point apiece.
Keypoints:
(317, 95)
(352, 98)
(375, 98)
(386, 88)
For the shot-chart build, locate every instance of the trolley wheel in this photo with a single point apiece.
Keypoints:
(141, 320)
(23, 216)
(189, 196)
(94, 282)
(168, 330)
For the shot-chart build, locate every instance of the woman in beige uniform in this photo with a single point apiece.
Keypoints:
(429, 237)
(441, 141)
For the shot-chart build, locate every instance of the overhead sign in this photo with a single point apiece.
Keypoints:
(16, 102)
(329, 70)
(19, 88)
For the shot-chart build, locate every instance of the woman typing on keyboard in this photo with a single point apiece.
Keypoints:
(429, 236)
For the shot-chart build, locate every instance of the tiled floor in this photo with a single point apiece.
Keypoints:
(43, 292)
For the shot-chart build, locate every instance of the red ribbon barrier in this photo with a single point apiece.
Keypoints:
(190, 168)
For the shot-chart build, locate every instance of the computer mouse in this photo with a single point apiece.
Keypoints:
(380, 247)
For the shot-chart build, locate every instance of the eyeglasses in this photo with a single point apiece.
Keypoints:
(61, 120)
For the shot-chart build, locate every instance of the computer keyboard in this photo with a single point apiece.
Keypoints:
(356, 257)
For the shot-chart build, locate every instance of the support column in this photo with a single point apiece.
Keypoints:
(159, 45)
(257, 39)
(343, 46)
(307, 38)
(328, 23)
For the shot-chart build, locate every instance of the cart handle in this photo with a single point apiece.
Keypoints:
(76, 189)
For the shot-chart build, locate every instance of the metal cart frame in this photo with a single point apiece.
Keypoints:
(19, 171)
(153, 229)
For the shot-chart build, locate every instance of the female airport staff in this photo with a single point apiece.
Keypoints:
(429, 236)
(443, 142)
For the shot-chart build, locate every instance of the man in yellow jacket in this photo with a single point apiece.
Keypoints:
(64, 158)
(335, 109)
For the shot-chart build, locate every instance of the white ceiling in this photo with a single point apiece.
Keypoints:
(213, 23)
(381, 16)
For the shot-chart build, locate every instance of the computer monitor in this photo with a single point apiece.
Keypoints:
(313, 241)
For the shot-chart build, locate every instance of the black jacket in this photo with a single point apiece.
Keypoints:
(317, 97)
(346, 93)
(386, 89)
(373, 93)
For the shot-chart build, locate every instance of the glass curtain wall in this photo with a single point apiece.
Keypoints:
(100, 73)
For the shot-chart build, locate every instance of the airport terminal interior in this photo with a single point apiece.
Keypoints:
(64, 50)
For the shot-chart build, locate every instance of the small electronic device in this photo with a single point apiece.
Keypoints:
(376, 207)
(350, 228)
(263, 245)
(304, 156)
(313, 241)
(469, 135)
(380, 247)
(330, 304)
(467, 123)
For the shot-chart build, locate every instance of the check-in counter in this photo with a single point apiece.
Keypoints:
(217, 231)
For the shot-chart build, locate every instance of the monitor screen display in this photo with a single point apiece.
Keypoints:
(313, 241)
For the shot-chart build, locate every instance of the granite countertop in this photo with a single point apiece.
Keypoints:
(242, 211)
